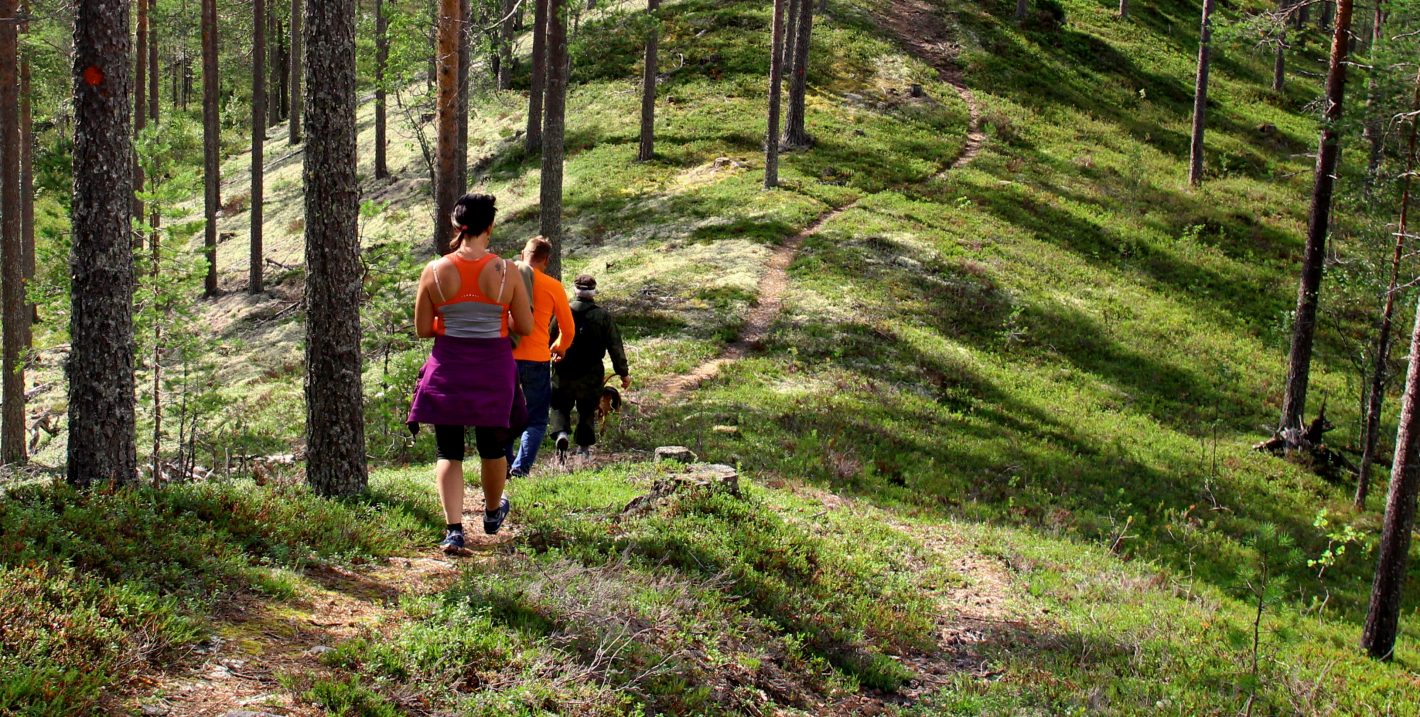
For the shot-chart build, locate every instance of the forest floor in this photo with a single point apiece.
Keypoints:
(988, 369)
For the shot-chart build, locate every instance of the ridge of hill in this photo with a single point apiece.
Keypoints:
(993, 439)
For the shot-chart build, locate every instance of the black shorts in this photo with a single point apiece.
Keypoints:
(492, 443)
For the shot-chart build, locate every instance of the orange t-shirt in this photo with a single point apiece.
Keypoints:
(548, 298)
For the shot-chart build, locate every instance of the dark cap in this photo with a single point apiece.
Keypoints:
(586, 282)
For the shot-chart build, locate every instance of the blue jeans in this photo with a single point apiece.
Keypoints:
(536, 379)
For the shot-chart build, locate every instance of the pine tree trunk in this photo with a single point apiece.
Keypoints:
(1294, 403)
(776, 78)
(1124, 8)
(100, 368)
(1200, 97)
(140, 104)
(648, 87)
(1372, 132)
(446, 188)
(506, 36)
(537, 87)
(791, 24)
(554, 132)
(1378, 373)
(297, 60)
(154, 95)
(382, 54)
(794, 133)
(279, 76)
(211, 140)
(1022, 6)
(12, 274)
(155, 76)
(335, 420)
(1279, 59)
(465, 59)
(258, 143)
(27, 181)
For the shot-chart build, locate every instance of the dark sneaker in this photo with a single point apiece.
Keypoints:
(453, 544)
(564, 442)
(584, 452)
(493, 522)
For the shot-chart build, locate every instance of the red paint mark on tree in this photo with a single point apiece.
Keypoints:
(93, 76)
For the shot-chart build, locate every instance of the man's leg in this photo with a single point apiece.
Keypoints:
(588, 398)
(561, 421)
(537, 390)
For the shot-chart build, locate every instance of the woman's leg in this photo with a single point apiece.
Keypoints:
(491, 443)
(449, 471)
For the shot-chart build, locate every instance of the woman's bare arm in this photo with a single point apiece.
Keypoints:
(424, 304)
(521, 305)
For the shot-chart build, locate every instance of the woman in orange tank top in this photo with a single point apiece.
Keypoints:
(467, 302)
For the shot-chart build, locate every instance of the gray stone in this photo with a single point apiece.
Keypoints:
(249, 713)
(678, 454)
(319, 650)
(155, 710)
(728, 430)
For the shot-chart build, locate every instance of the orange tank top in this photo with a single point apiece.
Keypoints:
(471, 314)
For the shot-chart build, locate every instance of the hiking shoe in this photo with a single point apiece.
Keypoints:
(564, 442)
(453, 543)
(493, 522)
(584, 452)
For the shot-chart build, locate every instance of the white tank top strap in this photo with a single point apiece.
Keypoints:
(502, 284)
(439, 285)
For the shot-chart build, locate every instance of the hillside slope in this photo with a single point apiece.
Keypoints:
(994, 442)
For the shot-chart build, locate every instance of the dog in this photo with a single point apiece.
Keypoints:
(609, 404)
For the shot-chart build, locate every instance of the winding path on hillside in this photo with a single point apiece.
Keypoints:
(920, 28)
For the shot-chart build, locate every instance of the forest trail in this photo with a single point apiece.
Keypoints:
(260, 644)
(919, 27)
(257, 644)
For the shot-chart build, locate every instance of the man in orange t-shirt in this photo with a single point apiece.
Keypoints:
(535, 353)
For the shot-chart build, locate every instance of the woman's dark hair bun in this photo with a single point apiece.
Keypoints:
(474, 213)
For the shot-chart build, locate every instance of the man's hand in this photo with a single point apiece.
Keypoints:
(556, 355)
(626, 383)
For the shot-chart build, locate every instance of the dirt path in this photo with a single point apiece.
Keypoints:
(257, 642)
(921, 29)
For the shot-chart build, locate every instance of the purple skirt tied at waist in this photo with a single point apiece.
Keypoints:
(469, 382)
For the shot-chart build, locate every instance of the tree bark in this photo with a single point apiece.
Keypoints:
(1294, 403)
(554, 132)
(335, 420)
(12, 274)
(1378, 373)
(794, 133)
(446, 188)
(211, 140)
(776, 77)
(506, 36)
(258, 143)
(297, 63)
(1200, 97)
(648, 86)
(100, 368)
(1279, 59)
(27, 181)
(465, 60)
(281, 98)
(1372, 132)
(1124, 8)
(154, 78)
(537, 87)
(140, 104)
(382, 54)
(1022, 6)
(1383, 615)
